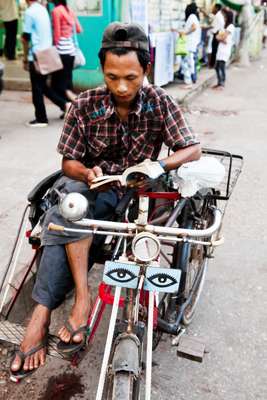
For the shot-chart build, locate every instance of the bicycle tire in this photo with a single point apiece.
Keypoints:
(192, 260)
(189, 311)
(123, 386)
(197, 258)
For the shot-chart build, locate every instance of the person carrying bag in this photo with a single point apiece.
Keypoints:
(64, 24)
(47, 61)
(37, 59)
(79, 58)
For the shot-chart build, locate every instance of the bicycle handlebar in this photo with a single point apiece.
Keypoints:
(94, 225)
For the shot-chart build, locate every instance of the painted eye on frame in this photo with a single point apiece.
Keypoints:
(121, 275)
(162, 280)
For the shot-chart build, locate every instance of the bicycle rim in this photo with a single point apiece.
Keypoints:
(189, 311)
(124, 386)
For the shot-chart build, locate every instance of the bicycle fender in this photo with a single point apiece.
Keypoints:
(126, 354)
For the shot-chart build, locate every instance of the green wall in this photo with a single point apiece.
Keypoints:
(90, 42)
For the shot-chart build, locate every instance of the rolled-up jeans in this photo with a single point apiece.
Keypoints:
(54, 279)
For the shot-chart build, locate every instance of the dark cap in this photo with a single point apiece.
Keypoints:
(119, 34)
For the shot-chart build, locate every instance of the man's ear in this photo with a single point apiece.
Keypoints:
(148, 69)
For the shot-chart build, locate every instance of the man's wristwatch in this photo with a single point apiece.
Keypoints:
(163, 164)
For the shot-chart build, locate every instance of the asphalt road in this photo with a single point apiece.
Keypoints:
(231, 317)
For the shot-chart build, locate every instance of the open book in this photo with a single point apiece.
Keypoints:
(132, 175)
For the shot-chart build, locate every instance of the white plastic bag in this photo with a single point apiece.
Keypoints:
(79, 59)
(207, 172)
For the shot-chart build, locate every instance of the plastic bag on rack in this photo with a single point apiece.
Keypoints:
(207, 172)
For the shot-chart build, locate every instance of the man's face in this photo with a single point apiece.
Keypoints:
(123, 76)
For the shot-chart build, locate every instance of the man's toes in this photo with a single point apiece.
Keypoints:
(42, 357)
(78, 338)
(64, 335)
(26, 365)
(36, 359)
(31, 362)
(16, 364)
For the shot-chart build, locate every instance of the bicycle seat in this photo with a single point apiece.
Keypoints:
(41, 188)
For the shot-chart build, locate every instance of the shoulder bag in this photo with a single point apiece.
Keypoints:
(47, 61)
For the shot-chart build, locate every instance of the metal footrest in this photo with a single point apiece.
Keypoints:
(14, 333)
(191, 348)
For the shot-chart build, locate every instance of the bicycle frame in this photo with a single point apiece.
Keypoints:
(133, 230)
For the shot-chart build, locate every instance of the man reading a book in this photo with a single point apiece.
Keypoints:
(106, 130)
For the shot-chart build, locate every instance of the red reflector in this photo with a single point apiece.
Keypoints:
(28, 233)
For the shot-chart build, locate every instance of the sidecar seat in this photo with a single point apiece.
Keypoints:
(39, 202)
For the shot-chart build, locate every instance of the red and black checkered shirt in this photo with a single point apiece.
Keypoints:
(94, 134)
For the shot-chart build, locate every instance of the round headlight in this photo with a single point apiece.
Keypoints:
(145, 246)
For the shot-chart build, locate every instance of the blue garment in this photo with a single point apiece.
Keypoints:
(54, 279)
(37, 24)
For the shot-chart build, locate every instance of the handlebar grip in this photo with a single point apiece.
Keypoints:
(54, 227)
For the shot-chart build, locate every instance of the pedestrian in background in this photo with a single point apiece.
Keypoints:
(37, 35)
(65, 27)
(192, 31)
(225, 39)
(9, 15)
(217, 25)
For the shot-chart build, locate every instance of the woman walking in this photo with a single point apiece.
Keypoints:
(192, 31)
(225, 39)
(65, 27)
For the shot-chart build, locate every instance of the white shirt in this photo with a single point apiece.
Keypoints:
(193, 38)
(218, 22)
(224, 49)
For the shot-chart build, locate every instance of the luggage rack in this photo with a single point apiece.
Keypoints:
(233, 164)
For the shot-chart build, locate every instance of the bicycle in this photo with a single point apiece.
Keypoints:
(154, 301)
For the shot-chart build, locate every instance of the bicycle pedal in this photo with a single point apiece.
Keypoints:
(191, 348)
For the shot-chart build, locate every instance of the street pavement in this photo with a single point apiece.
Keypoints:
(231, 317)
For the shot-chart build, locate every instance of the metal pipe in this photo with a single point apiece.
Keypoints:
(112, 323)
(149, 346)
(122, 226)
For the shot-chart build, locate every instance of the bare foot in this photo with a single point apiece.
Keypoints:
(35, 334)
(78, 317)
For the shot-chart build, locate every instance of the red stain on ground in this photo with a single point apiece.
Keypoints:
(63, 387)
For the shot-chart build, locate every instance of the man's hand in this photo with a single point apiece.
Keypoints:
(25, 65)
(93, 173)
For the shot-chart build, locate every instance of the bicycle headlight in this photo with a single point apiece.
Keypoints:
(145, 246)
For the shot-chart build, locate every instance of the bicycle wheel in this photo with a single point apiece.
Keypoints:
(196, 263)
(124, 387)
(195, 278)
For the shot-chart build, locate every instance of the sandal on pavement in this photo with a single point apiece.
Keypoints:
(15, 376)
(71, 347)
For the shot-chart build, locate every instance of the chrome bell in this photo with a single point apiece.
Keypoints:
(73, 206)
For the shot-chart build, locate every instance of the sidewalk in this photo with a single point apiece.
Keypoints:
(15, 78)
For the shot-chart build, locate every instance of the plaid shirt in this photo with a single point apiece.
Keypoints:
(94, 134)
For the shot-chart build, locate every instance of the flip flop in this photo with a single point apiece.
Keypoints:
(15, 376)
(70, 348)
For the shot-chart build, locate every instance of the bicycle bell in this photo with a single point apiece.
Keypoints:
(73, 206)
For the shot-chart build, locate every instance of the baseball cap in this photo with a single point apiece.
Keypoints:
(126, 35)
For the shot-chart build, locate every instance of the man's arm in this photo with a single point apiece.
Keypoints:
(181, 156)
(25, 38)
(74, 169)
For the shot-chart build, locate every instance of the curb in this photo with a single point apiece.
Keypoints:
(16, 84)
(196, 91)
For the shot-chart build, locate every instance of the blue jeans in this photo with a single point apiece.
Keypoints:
(54, 279)
(220, 71)
(194, 74)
